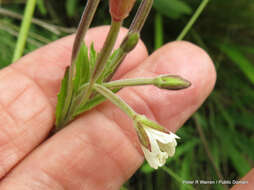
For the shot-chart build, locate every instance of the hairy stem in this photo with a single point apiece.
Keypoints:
(129, 82)
(115, 100)
(140, 18)
(84, 24)
(102, 59)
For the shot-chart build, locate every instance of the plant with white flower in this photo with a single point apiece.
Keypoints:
(157, 142)
(87, 81)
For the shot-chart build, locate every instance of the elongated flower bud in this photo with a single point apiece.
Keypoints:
(130, 42)
(120, 9)
(171, 82)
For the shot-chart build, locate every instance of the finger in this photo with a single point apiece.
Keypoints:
(99, 150)
(246, 183)
(28, 95)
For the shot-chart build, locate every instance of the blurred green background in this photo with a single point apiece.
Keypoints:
(217, 142)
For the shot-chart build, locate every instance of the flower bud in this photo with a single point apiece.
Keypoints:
(171, 82)
(120, 9)
(130, 42)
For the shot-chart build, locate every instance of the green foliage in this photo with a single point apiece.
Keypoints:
(237, 57)
(110, 67)
(83, 70)
(61, 97)
(7, 46)
(41, 7)
(71, 7)
(84, 66)
(173, 8)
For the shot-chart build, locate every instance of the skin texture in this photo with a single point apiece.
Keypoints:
(100, 149)
(249, 178)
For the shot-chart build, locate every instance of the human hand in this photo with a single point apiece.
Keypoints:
(100, 149)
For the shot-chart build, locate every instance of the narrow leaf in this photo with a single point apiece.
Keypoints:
(93, 56)
(82, 67)
(240, 60)
(173, 8)
(62, 96)
(98, 99)
(110, 67)
(85, 69)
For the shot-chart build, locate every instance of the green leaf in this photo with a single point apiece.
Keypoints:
(90, 104)
(82, 68)
(233, 151)
(41, 7)
(85, 69)
(172, 8)
(185, 172)
(62, 96)
(239, 59)
(93, 57)
(98, 99)
(110, 68)
(238, 160)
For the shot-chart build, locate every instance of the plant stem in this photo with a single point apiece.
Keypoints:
(107, 49)
(98, 68)
(115, 62)
(206, 146)
(136, 26)
(158, 38)
(140, 18)
(115, 100)
(85, 23)
(102, 59)
(169, 82)
(25, 26)
(128, 44)
(192, 20)
(119, 84)
(129, 82)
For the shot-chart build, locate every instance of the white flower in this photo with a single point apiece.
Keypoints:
(162, 146)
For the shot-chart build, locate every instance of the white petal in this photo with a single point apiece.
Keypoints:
(169, 148)
(161, 136)
(155, 159)
(174, 135)
(162, 146)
